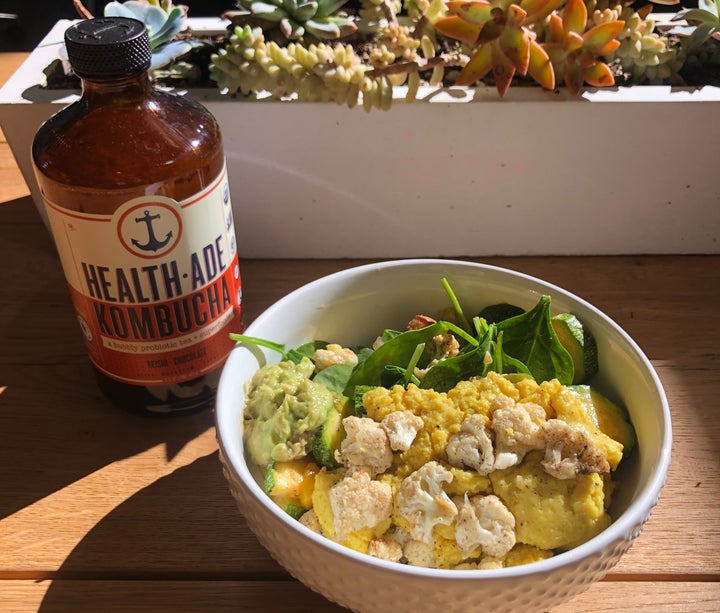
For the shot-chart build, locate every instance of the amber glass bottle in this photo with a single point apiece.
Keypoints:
(135, 188)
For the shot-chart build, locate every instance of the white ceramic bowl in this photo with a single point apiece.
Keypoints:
(351, 307)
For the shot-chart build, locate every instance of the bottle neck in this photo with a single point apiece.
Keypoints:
(120, 87)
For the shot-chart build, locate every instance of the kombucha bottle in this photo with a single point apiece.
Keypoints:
(135, 187)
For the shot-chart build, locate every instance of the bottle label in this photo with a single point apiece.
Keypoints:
(156, 285)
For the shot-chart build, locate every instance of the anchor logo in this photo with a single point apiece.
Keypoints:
(153, 243)
(150, 228)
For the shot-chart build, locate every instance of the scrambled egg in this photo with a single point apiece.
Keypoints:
(499, 471)
(550, 513)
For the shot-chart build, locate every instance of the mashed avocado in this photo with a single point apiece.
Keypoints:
(284, 408)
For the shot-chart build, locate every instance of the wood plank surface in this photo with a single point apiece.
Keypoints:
(11, 179)
(10, 62)
(285, 596)
(101, 496)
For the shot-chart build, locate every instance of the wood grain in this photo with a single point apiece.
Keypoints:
(11, 179)
(74, 596)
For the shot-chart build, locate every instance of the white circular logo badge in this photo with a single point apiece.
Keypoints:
(150, 228)
(86, 330)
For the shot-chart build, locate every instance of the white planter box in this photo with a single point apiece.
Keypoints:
(460, 173)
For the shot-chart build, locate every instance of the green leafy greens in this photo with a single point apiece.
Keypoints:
(531, 339)
(524, 343)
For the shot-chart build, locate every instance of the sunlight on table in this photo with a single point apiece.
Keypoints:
(12, 183)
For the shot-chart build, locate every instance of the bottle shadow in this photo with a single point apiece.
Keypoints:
(55, 425)
(56, 428)
(182, 535)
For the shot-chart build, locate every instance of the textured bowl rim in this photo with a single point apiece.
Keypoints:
(624, 527)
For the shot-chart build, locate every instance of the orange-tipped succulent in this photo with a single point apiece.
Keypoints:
(503, 42)
(575, 52)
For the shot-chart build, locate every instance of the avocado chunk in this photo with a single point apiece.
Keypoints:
(579, 343)
(609, 417)
(329, 435)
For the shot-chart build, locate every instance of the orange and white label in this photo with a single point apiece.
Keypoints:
(156, 285)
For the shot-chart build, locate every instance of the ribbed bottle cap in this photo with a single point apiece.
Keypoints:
(108, 46)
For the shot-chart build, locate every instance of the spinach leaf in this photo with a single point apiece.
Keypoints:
(525, 345)
(495, 313)
(335, 377)
(481, 326)
(260, 342)
(363, 353)
(459, 313)
(414, 360)
(398, 375)
(447, 373)
(399, 351)
(501, 362)
(389, 334)
(306, 350)
(530, 339)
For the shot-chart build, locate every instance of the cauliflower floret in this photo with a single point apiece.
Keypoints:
(358, 502)
(333, 354)
(366, 446)
(570, 451)
(423, 503)
(402, 428)
(518, 429)
(420, 553)
(443, 346)
(440, 347)
(386, 548)
(309, 519)
(471, 446)
(485, 522)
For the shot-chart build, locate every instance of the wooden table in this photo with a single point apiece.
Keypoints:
(105, 511)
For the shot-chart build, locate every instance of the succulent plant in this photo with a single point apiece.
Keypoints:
(250, 64)
(696, 61)
(417, 8)
(163, 20)
(575, 51)
(703, 22)
(321, 72)
(644, 55)
(501, 38)
(374, 15)
(293, 49)
(699, 36)
(320, 19)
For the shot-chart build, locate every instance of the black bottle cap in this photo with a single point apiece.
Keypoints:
(108, 46)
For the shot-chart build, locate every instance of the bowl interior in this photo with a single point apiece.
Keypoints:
(354, 306)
